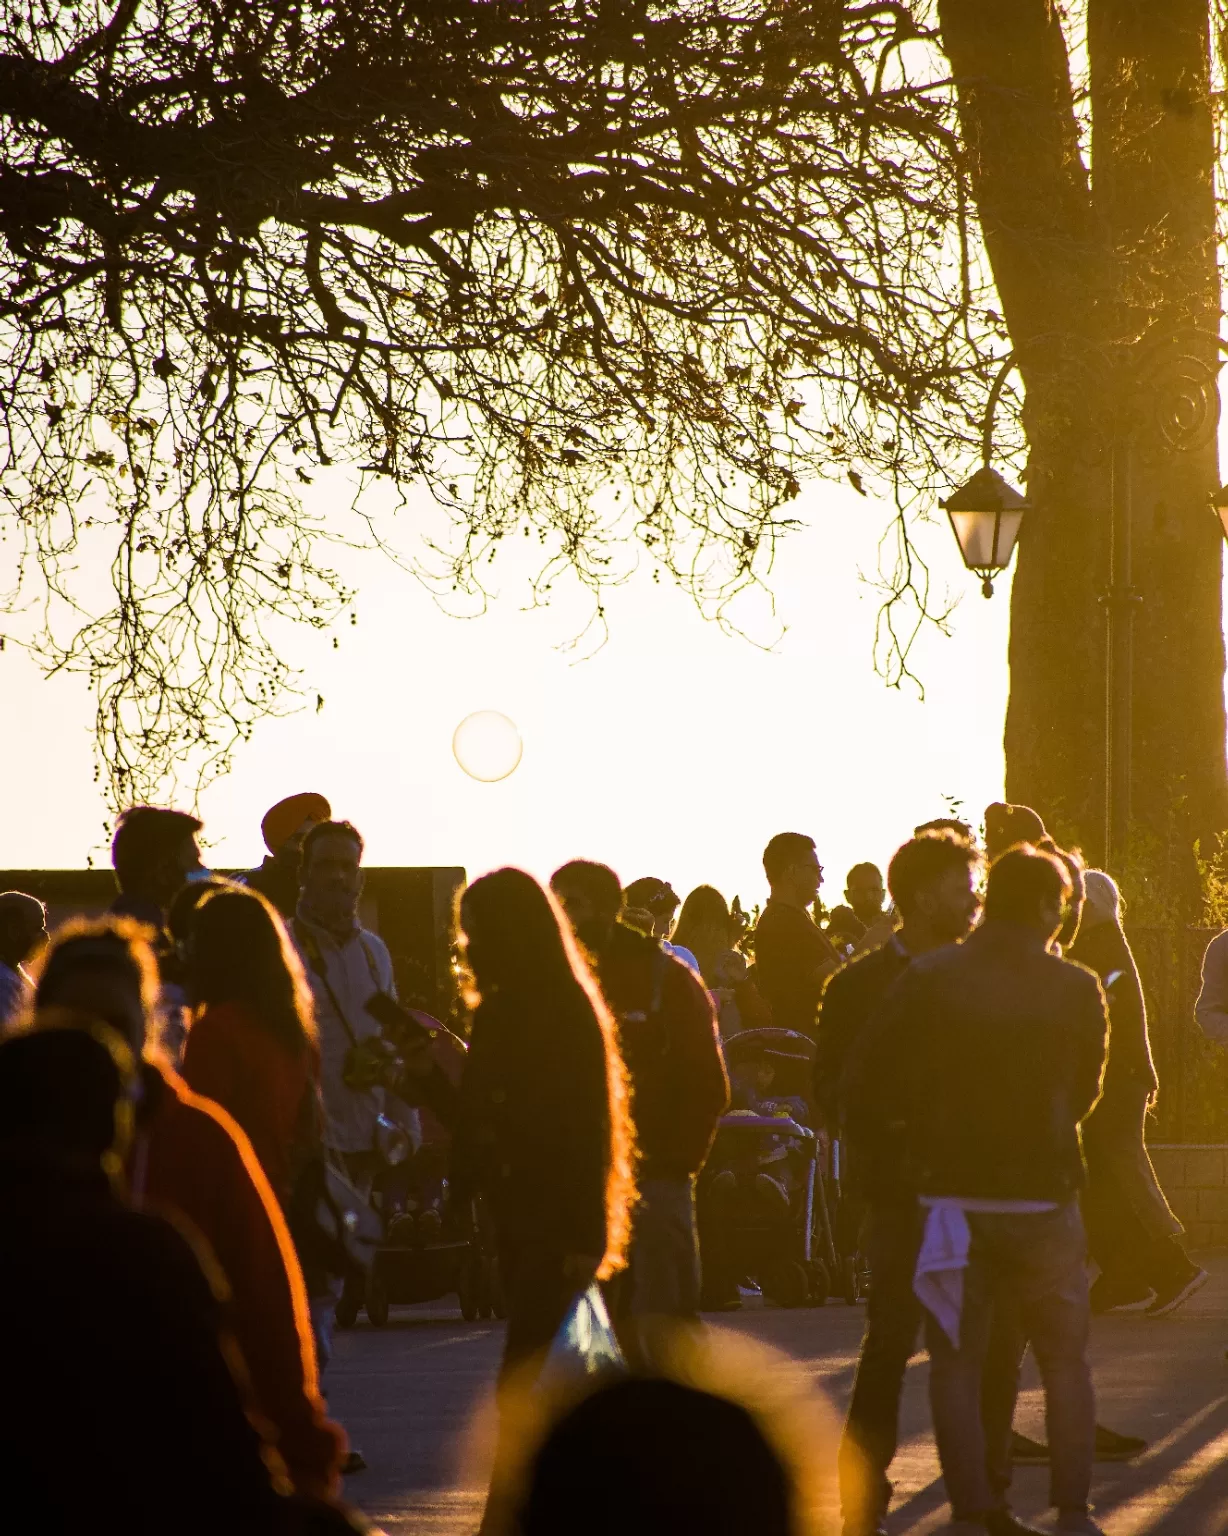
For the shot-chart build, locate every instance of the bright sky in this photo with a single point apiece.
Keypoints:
(676, 750)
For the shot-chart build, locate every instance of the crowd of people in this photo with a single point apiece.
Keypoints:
(198, 1090)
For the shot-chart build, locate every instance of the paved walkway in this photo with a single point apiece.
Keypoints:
(412, 1394)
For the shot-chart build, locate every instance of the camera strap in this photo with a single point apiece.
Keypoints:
(310, 947)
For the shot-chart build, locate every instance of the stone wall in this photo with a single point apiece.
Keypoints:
(1195, 1179)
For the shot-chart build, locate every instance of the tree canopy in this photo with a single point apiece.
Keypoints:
(590, 270)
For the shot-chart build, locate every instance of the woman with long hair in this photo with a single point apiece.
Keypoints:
(252, 1047)
(706, 928)
(544, 1129)
(709, 930)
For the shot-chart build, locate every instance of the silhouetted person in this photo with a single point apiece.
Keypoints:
(1211, 1010)
(253, 1046)
(122, 1412)
(284, 827)
(23, 928)
(649, 905)
(192, 1161)
(952, 824)
(708, 929)
(793, 958)
(989, 1054)
(669, 1043)
(346, 966)
(1008, 825)
(155, 854)
(933, 886)
(154, 851)
(1133, 1234)
(863, 891)
(544, 1129)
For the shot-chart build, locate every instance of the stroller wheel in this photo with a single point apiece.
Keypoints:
(377, 1299)
(346, 1313)
(820, 1283)
(787, 1283)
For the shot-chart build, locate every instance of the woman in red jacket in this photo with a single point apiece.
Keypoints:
(252, 1047)
(190, 1159)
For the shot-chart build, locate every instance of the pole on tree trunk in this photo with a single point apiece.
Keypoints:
(1121, 602)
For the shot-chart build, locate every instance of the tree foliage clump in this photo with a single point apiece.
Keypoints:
(586, 269)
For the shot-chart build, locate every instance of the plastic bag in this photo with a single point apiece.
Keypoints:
(585, 1345)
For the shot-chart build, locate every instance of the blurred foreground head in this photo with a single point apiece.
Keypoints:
(66, 1092)
(1030, 887)
(724, 1438)
(103, 970)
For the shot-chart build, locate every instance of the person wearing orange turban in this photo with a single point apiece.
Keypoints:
(284, 827)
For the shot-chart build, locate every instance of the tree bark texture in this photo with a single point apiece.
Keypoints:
(1110, 292)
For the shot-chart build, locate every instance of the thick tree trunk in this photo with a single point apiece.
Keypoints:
(1152, 176)
(1083, 272)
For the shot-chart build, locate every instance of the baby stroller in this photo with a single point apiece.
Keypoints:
(426, 1252)
(763, 1210)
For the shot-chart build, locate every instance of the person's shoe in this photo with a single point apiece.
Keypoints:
(1170, 1297)
(1110, 1446)
(1001, 1522)
(355, 1461)
(1077, 1524)
(1026, 1452)
(1120, 1296)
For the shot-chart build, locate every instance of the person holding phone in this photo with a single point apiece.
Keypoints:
(544, 1129)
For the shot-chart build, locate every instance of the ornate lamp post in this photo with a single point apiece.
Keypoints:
(985, 516)
(1165, 400)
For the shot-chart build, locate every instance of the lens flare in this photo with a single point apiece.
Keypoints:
(487, 746)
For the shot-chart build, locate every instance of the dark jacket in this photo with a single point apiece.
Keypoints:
(988, 1055)
(793, 957)
(277, 882)
(533, 1130)
(850, 999)
(119, 1411)
(1104, 949)
(671, 1047)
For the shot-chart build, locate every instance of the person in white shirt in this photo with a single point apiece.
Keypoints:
(346, 966)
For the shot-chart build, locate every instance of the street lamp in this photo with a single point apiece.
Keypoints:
(985, 516)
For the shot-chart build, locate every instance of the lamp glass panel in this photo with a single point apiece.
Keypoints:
(986, 539)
